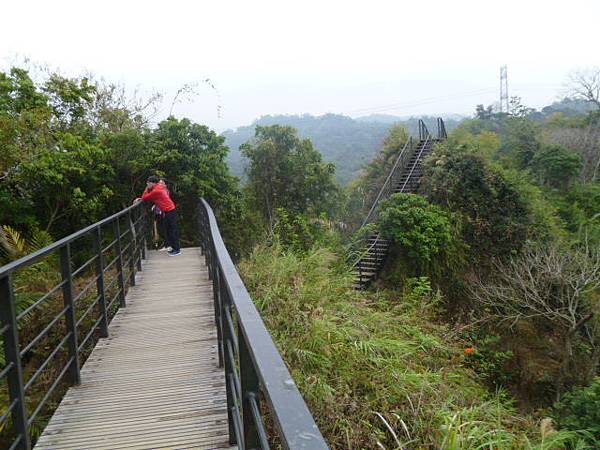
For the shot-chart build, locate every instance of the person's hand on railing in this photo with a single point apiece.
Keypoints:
(136, 201)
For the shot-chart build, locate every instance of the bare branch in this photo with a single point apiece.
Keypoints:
(585, 85)
(550, 282)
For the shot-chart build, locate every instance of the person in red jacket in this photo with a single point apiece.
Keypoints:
(157, 193)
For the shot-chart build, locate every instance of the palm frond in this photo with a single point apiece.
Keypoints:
(12, 242)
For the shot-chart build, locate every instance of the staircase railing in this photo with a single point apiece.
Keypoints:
(424, 145)
(390, 182)
(126, 235)
(388, 186)
(254, 369)
(400, 163)
(441, 127)
(423, 131)
(386, 189)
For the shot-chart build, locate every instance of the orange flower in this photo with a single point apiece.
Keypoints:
(469, 350)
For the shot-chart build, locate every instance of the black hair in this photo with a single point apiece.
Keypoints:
(153, 179)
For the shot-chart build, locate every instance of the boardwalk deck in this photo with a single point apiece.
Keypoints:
(154, 383)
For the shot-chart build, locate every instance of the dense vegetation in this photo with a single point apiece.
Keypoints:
(74, 151)
(483, 330)
(71, 152)
(488, 303)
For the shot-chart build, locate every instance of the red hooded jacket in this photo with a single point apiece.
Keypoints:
(160, 197)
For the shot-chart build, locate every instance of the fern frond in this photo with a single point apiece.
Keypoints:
(39, 240)
(12, 242)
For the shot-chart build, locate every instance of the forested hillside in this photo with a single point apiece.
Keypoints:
(347, 143)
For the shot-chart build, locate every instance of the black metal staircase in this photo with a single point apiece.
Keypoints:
(404, 176)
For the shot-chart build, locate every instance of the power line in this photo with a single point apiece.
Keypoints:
(520, 87)
(423, 101)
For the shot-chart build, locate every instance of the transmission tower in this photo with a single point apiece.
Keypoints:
(504, 89)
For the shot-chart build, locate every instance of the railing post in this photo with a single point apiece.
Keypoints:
(229, 371)
(219, 288)
(138, 240)
(65, 266)
(250, 391)
(100, 283)
(13, 356)
(131, 251)
(211, 257)
(143, 233)
(120, 264)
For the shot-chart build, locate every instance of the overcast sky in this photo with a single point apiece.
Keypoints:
(281, 57)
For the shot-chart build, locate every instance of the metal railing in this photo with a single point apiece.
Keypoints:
(441, 128)
(399, 165)
(373, 249)
(390, 185)
(422, 147)
(121, 257)
(387, 188)
(254, 369)
(423, 131)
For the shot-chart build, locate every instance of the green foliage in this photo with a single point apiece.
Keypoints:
(70, 99)
(580, 209)
(421, 229)
(484, 144)
(544, 219)
(519, 140)
(32, 281)
(62, 184)
(580, 410)
(300, 233)
(192, 158)
(375, 370)
(494, 217)
(555, 166)
(75, 151)
(287, 172)
(490, 361)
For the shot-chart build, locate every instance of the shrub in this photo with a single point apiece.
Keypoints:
(495, 219)
(421, 229)
(580, 410)
(555, 166)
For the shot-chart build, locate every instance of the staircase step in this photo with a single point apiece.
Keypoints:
(365, 273)
(379, 241)
(370, 257)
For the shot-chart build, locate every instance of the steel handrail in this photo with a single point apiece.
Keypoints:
(37, 255)
(387, 182)
(377, 239)
(253, 366)
(423, 134)
(14, 350)
(414, 166)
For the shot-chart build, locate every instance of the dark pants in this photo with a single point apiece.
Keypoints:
(170, 224)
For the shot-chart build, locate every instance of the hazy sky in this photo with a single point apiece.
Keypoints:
(282, 57)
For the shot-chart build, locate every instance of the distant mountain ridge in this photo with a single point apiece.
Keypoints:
(346, 142)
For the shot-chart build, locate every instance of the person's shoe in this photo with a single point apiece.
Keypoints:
(168, 249)
(174, 252)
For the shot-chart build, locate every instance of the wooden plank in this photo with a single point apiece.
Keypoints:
(154, 383)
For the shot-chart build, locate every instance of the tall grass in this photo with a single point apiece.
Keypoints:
(375, 367)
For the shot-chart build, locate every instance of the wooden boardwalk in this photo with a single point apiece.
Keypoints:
(154, 383)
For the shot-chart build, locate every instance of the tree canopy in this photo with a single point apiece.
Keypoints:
(287, 172)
